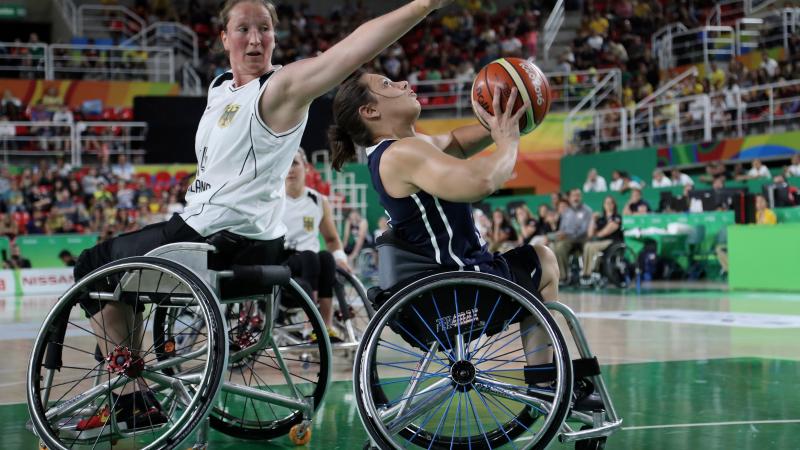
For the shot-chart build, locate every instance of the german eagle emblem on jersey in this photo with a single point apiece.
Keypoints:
(308, 223)
(228, 115)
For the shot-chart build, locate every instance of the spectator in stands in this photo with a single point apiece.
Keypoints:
(636, 204)
(11, 106)
(8, 227)
(764, 215)
(629, 182)
(769, 64)
(503, 236)
(680, 179)
(793, 170)
(572, 229)
(714, 170)
(525, 224)
(125, 195)
(594, 182)
(7, 134)
(51, 101)
(616, 181)
(15, 259)
(123, 169)
(482, 223)
(356, 236)
(660, 180)
(757, 170)
(604, 230)
(66, 257)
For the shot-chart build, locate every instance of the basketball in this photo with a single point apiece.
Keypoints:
(507, 73)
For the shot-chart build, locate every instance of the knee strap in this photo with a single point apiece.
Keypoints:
(543, 373)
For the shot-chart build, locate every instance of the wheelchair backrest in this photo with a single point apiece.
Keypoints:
(396, 263)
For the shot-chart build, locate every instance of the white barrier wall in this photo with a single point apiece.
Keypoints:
(35, 281)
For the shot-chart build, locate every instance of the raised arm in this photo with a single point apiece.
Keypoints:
(299, 83)
(415, 164)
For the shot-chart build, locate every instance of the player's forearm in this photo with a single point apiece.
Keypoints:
(468, 140)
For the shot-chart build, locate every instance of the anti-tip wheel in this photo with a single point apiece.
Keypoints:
(300, 434)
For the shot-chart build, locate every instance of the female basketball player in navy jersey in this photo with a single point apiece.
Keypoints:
(249, 133)
(426, 183)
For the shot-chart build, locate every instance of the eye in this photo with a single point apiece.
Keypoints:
(386, 82)
(264, 29)
(242, 29)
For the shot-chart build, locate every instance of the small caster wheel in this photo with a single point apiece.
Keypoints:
(590, 444)
(300, 434)
(42, 446)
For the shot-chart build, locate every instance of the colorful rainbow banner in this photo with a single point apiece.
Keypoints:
(117, 94)
(750, 147)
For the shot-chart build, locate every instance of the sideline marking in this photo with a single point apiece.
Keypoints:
(698, 317)
(712, 424)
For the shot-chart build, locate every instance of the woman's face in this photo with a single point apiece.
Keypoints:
(297, 172)
(249, 38)
(392, 98)
(608, 204)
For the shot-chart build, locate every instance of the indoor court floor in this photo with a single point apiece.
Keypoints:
(689, 366)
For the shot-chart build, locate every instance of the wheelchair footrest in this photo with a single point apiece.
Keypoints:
(543, 373)
(607, 429)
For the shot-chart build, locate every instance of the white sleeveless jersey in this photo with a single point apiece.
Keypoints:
(302, 218)
(241, 164)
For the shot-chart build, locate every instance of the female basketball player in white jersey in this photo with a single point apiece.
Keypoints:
(308, 214)
(249, 133)
(426, 183)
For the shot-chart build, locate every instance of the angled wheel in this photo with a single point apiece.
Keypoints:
(82, 370)
(441, 365)
(352, 308)
(286, 361)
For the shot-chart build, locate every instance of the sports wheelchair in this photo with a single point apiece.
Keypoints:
(441, 365)
(616, 266)
(194, 349)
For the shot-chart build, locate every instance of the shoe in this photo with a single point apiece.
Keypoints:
(333, 337)
(135, 411)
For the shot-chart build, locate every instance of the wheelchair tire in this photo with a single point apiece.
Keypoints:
(369, 387)
(56, 353)
(315, 372)
(351, 295)
(618, 264)
(590, 444)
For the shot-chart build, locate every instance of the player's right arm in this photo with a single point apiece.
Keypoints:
(414, 164)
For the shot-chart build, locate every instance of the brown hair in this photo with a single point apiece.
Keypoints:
(348, 128)
(224, 15)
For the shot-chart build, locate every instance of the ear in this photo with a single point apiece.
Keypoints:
(369, 112)
(223, 36)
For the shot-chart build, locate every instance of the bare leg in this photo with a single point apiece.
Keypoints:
(326, 310)
(117, 324)
(548, 288)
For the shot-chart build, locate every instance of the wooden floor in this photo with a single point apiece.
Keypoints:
(690, 366)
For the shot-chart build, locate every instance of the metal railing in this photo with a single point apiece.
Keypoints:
(111, 62)
(700, 45)
(551, 27)
(731, 113)
(168, 34)
(726, 12)
(190, 81)
(22, 60)
(662, 44)
(345, 193)
(106, 20)
(578, 116)
(78, 139)
(69, 13)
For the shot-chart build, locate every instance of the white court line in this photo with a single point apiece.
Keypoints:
(711, 424)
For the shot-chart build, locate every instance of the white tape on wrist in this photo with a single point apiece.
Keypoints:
(340, 255)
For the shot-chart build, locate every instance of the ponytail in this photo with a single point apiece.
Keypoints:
(349, 129)
(342, 147)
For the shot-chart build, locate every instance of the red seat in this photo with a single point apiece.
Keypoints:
(180, 175)
(148, 179)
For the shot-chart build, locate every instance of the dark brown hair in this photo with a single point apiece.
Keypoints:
(348, 128)
(224, 15)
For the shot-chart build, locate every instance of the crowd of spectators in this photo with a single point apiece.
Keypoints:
(107, 199)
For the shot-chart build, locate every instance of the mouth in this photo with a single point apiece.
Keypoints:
(253, 54)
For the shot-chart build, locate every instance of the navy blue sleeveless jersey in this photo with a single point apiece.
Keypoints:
(445, 231)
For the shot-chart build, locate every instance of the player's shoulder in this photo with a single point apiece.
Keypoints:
(314, 195)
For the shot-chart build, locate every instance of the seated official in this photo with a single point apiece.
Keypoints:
(605, 229)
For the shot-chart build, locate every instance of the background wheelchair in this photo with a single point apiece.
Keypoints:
(190, 351)
(615, 266)
(441, 365)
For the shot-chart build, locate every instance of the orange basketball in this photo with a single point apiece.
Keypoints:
(531, 84)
